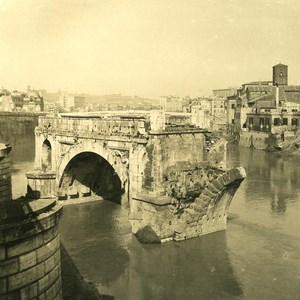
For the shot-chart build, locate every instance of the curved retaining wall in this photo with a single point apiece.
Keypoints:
(30, 250)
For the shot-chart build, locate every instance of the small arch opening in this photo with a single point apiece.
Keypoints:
(46, 156)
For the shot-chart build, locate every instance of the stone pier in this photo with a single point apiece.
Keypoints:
(29, 243)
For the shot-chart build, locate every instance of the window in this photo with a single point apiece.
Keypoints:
(277, 122)
(294, 122)
(284, 121)
(232, 121)
(261, 121)
(251, 121)
(232, 106)
(267, 122)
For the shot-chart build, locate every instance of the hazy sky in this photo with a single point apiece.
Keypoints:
(146, 47)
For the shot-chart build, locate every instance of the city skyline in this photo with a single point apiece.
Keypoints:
(145, 48)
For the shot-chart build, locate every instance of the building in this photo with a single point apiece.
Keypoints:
(31, 101)
(224, 93)
(171, 103)
(200, 117)
(219, 106)
(230, 105)
(280, 75)
(72, 102)
(273, 112)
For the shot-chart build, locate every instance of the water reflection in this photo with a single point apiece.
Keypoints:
(92, 234)
(99, 239)
(195, 269)
(270, 177)
(278, 202)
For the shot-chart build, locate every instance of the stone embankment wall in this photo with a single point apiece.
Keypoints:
(258, 140)
(17, 129)
(29, 246)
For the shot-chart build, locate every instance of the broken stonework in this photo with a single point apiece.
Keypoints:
(147, 235)
(195, 182)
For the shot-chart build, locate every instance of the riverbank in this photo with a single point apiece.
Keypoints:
(289, 150)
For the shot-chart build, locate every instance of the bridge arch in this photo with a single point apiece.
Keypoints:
(115, 162)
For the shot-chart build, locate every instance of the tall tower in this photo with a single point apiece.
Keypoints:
(280, 75)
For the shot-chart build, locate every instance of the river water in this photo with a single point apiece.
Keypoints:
(257, 257)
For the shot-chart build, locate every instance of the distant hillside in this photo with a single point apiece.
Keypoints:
(119, 100)
(115, 99)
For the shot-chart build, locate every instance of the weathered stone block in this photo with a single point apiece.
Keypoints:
(9, 266)
(45, 282)
(147, 235)
(209, 193)
(218, 184)
(2, 252)
(27, 260)
(2, 286)
(29, 292)
(26, 277)
(54, 290)
(4, 188)
(213, 188)
(42, 296)
(52, 261)
(45, 251)
(25, 246)
(50, 233)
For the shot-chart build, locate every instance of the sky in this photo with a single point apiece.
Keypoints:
(146, 47)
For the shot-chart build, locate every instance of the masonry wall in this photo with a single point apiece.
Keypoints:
(29, 253)
(258, 140)
(5, 173)
(166, 152)
(29, 243)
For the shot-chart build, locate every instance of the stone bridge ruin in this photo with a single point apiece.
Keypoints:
(170, 174)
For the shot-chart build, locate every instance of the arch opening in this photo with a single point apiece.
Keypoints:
(46, 156)
(90, 175)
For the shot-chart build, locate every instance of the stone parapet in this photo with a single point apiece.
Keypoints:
(30, 250)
